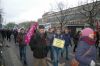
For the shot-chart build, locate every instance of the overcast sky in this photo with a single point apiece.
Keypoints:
(23, 10)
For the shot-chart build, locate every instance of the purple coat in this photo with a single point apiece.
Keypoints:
(83, 46)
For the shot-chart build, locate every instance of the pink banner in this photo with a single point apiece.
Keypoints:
(30, 33)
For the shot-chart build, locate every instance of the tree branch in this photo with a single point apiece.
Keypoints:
(96, 13)
(94, 5)
(83, 13)
(56, 16)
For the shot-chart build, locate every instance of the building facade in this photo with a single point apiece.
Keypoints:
(72, 16)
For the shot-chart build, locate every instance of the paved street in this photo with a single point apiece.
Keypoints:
(11, 55)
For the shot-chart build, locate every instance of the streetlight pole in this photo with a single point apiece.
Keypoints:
(1, 19)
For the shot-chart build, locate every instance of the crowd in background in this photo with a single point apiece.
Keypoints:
(86, 42)
(6, 34)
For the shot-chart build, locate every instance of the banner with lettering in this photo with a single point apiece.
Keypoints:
(30, 33)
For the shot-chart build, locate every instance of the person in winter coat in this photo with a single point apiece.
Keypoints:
(67, 38)
(49, 37)
(22, 45)
(86, 50)
(9, 32)
(99, 44)
(98, 41)
(38, 45)
(76, 39)
(1, 38)
(3, 33)
(57, 51)
(15, 33)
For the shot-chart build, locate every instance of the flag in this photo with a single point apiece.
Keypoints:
(30, 33)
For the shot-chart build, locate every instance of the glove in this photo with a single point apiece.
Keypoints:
(92, 63)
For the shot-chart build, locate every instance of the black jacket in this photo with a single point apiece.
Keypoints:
(39, 46)
(21, 39)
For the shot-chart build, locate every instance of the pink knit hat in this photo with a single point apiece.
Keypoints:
(86, 32)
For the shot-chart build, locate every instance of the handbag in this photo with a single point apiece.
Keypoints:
(74, 62)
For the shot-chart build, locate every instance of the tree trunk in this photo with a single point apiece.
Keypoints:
(91, 22)
(61, 26)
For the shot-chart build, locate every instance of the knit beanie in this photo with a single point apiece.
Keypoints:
(86, 32)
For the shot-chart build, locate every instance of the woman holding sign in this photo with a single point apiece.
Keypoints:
(58, 44)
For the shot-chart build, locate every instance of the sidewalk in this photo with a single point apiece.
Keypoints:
(98, 62)
(6, 57)
(11, 58)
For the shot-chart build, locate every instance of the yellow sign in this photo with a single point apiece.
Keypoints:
(58, 43)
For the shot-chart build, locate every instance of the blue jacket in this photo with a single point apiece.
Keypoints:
(83, 47)
(58, 36)
(50, 38)
(67, 39)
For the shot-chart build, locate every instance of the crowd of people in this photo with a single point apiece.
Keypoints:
(6, 34)
(86, 44)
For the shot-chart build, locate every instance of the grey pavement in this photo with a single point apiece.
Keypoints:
(6, 56)
(12, 56)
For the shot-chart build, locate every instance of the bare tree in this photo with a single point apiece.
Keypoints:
(90, 10)
(61, 15)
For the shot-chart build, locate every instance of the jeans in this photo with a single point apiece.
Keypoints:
(65, 50)
(15, 38)
(99, 52)
(51, 52)
(23, 54)
(56, 55)
(74, 50)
